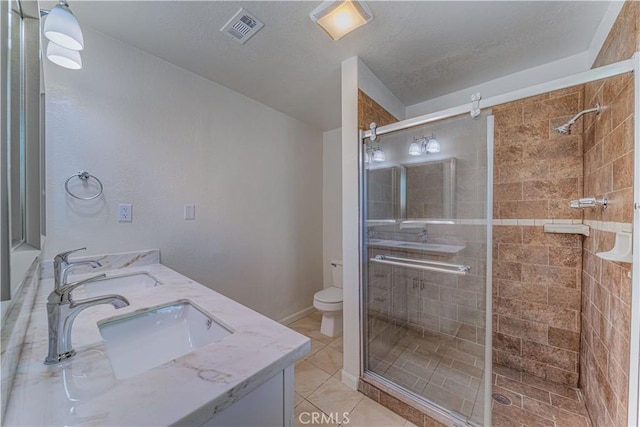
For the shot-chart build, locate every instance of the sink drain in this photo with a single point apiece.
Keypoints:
(501, 399)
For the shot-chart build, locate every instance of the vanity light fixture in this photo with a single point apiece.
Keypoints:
(62, 27)
(433, 146)
(374, 155)
(65, 36)
(424, 145)
(378, 155)
(340, 17)
(64, 57)
(415, 148)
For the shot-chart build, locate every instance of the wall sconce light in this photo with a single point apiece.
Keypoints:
(340, 17)
(64, 57)
(62, 29)
(378, 155)
(424, 145)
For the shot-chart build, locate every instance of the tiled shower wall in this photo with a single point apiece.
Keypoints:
(536, 276)
(381, 197)
(383, 295)
(425, 200)
(606, 289)
(370, 111)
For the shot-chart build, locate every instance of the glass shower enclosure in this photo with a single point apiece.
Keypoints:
(426, 219)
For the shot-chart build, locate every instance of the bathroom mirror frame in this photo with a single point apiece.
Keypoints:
(22, 160)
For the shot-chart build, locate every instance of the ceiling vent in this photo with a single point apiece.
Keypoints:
(242, 26)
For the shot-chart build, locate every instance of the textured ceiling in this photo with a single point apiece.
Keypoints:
(420, 50)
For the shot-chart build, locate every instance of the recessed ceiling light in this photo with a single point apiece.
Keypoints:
(339, 17)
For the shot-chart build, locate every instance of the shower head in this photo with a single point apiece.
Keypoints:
(565, 129)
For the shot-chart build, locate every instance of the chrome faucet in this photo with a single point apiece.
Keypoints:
(62, 266)
(423, 236)
(62, 310)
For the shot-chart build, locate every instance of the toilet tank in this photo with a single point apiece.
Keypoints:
(336, 272)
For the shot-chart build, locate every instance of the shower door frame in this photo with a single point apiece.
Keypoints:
(407, 124)
(629, 65)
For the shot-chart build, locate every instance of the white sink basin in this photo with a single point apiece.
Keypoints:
(121, 284)
(143, 340)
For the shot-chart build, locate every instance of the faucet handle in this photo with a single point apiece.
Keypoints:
(63, 256)
(63, 294)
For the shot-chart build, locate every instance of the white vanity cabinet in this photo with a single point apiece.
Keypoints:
(271, 404)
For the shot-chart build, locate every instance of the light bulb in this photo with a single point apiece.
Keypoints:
(378, 155)
(433, 146)
(415, 149)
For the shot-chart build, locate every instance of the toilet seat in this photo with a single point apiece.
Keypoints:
(330, 295)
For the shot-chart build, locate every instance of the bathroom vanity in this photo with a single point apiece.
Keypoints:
(179, 354)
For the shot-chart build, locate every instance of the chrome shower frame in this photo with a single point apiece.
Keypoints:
(372, 135)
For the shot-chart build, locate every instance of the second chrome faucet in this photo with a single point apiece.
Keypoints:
(62, 309)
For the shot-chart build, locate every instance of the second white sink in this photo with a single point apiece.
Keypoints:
(140, 341)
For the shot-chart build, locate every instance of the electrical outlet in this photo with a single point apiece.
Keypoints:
(125, 213)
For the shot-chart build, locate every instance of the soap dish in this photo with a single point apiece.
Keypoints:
(567, 229)
(621, 251)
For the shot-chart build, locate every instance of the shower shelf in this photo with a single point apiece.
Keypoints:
(621, 251)
(567, 229)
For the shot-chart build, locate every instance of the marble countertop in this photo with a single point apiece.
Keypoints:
(185, 391)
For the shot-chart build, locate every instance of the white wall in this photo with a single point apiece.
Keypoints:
(350, 234)
(160, 137)
(331, 200)
(529, 77)
(370, 84)
(355, 75)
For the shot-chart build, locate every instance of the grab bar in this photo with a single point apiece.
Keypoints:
(442, 267)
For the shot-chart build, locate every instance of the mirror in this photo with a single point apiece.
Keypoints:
(415, 191)
(430, 190)
(21, 216)
(385, 195)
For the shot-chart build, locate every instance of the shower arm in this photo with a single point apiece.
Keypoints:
(595, 109)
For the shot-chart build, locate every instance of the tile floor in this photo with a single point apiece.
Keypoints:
(319, 390)
(536, 402)
(431, 366)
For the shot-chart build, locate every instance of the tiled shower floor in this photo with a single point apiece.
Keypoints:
(432, 367)
(536, 402)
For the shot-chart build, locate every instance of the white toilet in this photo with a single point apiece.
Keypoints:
(329, 302)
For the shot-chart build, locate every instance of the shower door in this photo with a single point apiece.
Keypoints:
(426, 218)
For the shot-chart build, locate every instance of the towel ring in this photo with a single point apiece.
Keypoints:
(84, 177)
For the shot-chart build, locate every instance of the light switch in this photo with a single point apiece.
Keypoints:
(189, 211)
